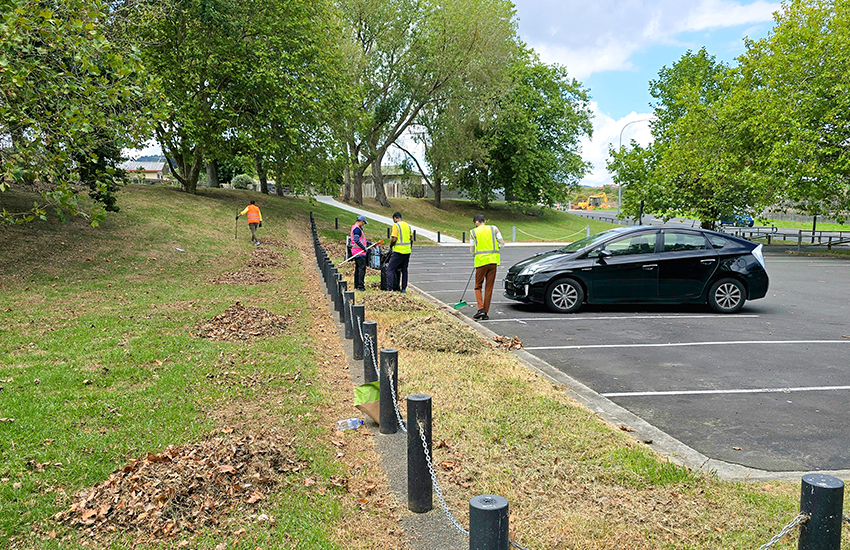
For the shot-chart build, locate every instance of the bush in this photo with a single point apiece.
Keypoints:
(242, 181)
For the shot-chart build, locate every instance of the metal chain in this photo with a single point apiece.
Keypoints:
(800, 519)
(436, 484)
(368, 345)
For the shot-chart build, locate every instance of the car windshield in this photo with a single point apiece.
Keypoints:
(589, 241)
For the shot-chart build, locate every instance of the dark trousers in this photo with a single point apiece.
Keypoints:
(398, 262)
(253, 227)
(487, 272)
(360, 272)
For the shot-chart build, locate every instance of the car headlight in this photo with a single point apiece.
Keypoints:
(531, 269)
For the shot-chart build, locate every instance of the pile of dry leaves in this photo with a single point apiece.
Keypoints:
(392, 301)
(185, 488)
(242, 323)
(244, 277)
(508, 343)
(436, 333)
(262, 256)
(277, 243)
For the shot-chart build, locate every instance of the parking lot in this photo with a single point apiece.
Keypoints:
(767, 388)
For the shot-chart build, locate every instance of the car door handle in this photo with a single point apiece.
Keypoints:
(706, 262)
(650, 266)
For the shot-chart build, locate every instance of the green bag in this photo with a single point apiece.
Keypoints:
(367, 398)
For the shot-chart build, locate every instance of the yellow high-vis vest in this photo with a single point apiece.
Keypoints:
(402, 245)
(486, 246)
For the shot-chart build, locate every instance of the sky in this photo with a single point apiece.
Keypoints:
(615, 47)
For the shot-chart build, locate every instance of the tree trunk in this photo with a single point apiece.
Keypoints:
(212, 174)
(378, 180)
(358, 186)
(438, 191)
(346, 184)
(262, 174)
(190, 183)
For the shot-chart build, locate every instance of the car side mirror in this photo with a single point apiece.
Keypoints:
(604, 255)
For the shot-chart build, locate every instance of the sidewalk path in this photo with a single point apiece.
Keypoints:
(444, 239)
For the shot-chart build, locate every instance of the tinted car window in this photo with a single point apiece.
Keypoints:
(717, 241)
(674, 242)
(636, 244)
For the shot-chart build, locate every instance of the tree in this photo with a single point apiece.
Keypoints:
(69, 99)
(237, 76)
(796, 81)
(532, 141)
(410, 53)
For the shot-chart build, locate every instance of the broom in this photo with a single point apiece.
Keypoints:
(461, 303)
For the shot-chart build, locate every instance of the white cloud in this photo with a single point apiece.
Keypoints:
(602, 36)
(607, 132)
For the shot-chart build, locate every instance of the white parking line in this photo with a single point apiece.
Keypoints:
(683, 344)
(722, 392)
(618, 318)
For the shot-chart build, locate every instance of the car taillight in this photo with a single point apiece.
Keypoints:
(757, 252)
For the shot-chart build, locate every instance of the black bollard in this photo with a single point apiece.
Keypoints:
(822, 499)
(389, 387)
(343, 286)
(370, 351)
(336, 223)
(358, 312)
(488, 523)
(347, 302)
(463, 236)
(419, 486)
(414, 235)
(388, 232)
(334, 286)
(438, 236)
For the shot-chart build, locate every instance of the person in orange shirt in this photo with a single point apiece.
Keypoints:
(255, 220)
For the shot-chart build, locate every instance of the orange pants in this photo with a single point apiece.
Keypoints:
(487, 272)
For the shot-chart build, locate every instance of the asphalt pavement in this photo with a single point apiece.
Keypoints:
(762, 393)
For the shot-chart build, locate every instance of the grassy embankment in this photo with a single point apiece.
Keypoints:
(455, 217)
(99, 366)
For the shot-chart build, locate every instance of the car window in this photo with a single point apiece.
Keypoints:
(636, 244)
(717, 241)
(675, 241)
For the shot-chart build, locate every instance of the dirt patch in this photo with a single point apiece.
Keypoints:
(393, 301)
(436, 333)
(335, 249)
(244, 277)
(185, 488)
(276, 243)
(242, 323)
(263, 256)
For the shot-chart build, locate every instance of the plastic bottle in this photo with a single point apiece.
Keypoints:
(348, 424)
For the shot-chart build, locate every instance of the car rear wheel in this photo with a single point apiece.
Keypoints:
(564, 296)
(727, 296)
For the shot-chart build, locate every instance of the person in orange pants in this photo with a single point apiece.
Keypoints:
(486, 240)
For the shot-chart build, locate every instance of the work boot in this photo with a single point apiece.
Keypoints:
(479, 315)
(484, 317)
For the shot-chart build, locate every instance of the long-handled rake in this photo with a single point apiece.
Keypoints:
(461, 303)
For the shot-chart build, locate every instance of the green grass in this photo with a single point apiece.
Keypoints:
(454, 218)
(99, 363)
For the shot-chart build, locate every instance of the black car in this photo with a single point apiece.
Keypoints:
(643, 264)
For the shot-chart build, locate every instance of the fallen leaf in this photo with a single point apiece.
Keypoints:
(626, 429)
(736, 448)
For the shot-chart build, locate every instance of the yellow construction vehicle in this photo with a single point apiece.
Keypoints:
(593, 201)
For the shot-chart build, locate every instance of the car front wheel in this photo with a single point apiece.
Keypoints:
(727, 296)
(564, 296)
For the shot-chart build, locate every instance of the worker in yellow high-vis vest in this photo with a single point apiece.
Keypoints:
(255, 220)
(400, 247)
(486, 240)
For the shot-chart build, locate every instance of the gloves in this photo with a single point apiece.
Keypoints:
(261, 224)
(237, 216)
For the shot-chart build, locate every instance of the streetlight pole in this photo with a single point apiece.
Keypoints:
(619, 187)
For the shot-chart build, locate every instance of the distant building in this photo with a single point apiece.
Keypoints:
(152, 171)
(398, 182)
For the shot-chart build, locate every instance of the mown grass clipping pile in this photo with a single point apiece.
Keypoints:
(436, 333)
